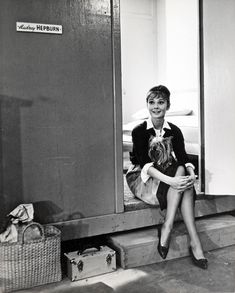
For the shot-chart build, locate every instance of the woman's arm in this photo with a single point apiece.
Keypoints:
(179, 146)
(181, 155)
(178, 182)
(140, 139)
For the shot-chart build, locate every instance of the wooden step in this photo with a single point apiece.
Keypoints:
(139, 247)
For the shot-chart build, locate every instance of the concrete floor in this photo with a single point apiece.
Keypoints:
(175, 276)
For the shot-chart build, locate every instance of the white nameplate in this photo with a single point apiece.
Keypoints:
(38, 28)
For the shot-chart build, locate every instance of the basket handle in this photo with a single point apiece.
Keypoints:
(41, 229)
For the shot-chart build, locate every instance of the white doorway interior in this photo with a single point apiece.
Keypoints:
(160, 45)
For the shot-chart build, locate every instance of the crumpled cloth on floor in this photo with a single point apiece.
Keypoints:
(23, 213)
(10, 234)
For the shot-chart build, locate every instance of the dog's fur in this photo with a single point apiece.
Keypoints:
(160, 152)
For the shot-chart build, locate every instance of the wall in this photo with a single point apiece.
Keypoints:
(57, 109)
(219, 71)
(159, 46)
(138, 51)
(182, 53)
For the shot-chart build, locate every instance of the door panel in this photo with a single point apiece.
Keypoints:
(57, 140)
(219, 71)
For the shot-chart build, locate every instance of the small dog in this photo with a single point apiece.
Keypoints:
(161, 152)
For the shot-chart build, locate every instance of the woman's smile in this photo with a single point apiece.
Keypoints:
(156, 111)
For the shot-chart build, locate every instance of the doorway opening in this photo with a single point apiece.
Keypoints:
(160, 45)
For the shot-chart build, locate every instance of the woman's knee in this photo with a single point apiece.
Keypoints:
(180, 171)
(189, 193)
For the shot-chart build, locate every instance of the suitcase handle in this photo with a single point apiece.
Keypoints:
(84, 248)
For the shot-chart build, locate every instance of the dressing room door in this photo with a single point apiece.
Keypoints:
(219, 96)
(57, 115)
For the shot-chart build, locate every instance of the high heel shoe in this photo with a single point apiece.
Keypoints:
(163, 250)
(201, 263)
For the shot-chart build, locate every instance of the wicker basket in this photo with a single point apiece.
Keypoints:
(28, 264)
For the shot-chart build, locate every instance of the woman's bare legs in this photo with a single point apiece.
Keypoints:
(173, 200)
(187, 211)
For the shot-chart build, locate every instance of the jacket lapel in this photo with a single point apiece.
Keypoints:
(151, 132)
(168, 132)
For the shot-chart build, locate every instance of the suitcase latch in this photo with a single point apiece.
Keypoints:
(80, 265)
(109, 259)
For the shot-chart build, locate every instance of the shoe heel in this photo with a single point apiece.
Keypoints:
(201, 263)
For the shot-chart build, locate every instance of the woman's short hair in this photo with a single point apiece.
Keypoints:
(159, 91)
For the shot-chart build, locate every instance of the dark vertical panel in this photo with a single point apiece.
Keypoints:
(202, 101)
(59, 108)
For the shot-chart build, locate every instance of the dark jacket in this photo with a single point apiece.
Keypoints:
(141, 136)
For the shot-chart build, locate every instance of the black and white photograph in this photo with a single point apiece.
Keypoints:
(117, 161)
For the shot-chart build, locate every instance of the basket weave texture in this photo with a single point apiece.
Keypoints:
(33, 263)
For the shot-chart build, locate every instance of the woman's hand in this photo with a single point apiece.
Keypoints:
(179, 183)
(191, 181)
(182, 183)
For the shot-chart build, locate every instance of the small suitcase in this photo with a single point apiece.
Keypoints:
(90, 262)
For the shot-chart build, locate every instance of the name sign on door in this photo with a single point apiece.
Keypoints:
(38, 28)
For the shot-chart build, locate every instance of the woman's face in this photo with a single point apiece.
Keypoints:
(157, 107)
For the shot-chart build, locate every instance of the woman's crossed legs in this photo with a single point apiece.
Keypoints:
(187, 210)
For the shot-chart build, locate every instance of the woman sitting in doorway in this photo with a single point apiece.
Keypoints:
(172, 187)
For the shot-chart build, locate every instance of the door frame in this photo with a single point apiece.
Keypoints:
(117, 102)
(201, 101)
